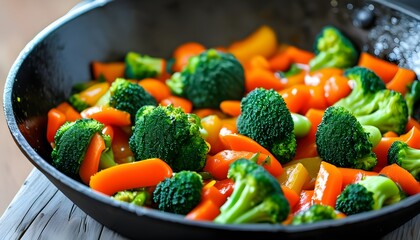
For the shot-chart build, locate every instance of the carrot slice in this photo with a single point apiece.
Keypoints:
(158, 89)
(335, 88)
(401, 80)
(384, 69)
(241, 142)
(183, 52)
(107, 115)
(69, 111)
(402, 177)
(90, 163)
(352, 175)
(291, 196)
(55, 119)
(218, 164)
(144, 173)
(305, 201)
(295, 96)
(328, 185)
(231, 107)
(176, 101)
(110, 70)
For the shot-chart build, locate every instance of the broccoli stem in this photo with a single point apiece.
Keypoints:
(411, 162)
(384, 190)
(238, 203)
(374, 134)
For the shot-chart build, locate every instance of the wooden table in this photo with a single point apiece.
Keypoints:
(41, 211)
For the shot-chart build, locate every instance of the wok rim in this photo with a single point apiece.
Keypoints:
(49, 171)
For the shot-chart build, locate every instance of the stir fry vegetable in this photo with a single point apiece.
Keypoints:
(257, 131)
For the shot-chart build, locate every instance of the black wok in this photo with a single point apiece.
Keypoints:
(60, 56)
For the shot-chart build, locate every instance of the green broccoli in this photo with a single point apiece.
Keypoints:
(126, 96)
(139, 66)
(168, 133)
(256, 197)
(370, 193)
(71, 142)
(389, 114)
(365, 84)
(139, 197)
(209, 78)
(180, 193)
(412, 97)
(406, 157)
(294, 69)
(342, 141)
(314, 213)
(333, 49)
(372, 104)
(266, 119)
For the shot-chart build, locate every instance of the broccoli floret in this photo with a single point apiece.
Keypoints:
(78, 103)
(412, 97)
(180, 193)
(139, 66)
(126, 96)
(139, 197)
(256, 197)
(266, 119)
(168, 133)
(365, 84)
(209, 78)
(406, 157)
(342, 141)
(71, 142)
(314, 213)
(370, 193)
(389, 114)
(333, 49)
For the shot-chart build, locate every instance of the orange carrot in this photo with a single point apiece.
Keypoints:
(293, 80)
(231, 107)
(93, 93)
(120, 146)
(225, 186)
(144, 173)
(291, 196)
(158, 89)
(298, 55)
(206, 210)
(218, 164)
(316, 99)
(241, 142)
(306, 146)
(412, 138)
(183, 52)
(335, 88)
(328, 185)
(295, 96)
(204, 112)
(108, 130)
(263, 41)
(390, 134)
(260, 77)
(384, 69)
(90, 163)
(110, 71)
(176, 101)
(107, 115)
(280, 62)
(305, 201)
(55, 119)
(402, 177)
(412, 122)
(401, 80)
(352, 175)
(69, 111)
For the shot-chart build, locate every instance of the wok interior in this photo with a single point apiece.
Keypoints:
(61, 57)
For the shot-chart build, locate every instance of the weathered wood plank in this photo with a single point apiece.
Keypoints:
(40, 211)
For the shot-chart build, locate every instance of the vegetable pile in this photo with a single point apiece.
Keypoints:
(258, 131)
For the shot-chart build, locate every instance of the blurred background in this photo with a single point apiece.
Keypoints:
(20, 21)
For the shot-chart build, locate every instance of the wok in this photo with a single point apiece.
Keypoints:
(60, 56)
